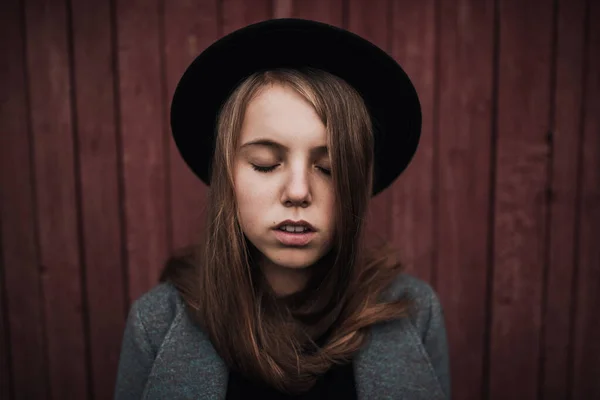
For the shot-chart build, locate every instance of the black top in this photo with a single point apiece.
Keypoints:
(337, 383)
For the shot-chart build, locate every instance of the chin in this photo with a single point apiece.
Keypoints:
(293, 258)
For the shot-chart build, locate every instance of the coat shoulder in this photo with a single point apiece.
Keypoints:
(157, 309)
(422, 295)
(162, 298)
(412, 287)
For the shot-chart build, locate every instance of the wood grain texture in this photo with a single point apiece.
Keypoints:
(99, 188)
(189, 29)
(143, 140)
(413, 41)
(327, 11)
(5, 364)
(56, 198)
(282, 8)
(22, 291)
(586, 367)
(566, 141)
(236, 14)
(466, 63)
(361, 17)
(520, 202)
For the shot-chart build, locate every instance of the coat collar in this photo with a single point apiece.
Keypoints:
(392, 364)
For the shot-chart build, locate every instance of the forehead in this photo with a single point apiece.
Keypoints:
(280, 114)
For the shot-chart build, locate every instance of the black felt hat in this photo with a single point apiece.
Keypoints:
(389, 95)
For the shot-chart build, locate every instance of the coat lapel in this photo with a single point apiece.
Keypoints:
(186, 366)
(392, 364)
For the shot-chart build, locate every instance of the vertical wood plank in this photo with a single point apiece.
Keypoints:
(236, 14)
(466, 58)
(142, 128)
(51, 115)
(189, 29)
(561, 251)
(282, 8)
(520, 203)
(413, 46)
(586, 368)
(5, 367)
(371, 22)
(327, 11)
(23, 294)
(99, 178)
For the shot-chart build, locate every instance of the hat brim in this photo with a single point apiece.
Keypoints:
(387, 91)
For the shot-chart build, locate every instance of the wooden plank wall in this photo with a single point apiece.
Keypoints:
(500, 210)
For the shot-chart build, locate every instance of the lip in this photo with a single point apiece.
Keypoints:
(291, 222)
(294, 239)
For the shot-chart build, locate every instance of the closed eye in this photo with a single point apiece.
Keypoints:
(264, 169)
(272, 167)
(325, 170)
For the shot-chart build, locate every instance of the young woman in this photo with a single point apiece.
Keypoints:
(294, 125)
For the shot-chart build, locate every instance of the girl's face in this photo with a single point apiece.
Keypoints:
(282, 172)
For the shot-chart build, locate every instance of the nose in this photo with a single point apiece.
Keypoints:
(297, 192)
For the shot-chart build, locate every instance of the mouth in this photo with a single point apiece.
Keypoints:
(294, 233)
(295, 227)
(295, 239)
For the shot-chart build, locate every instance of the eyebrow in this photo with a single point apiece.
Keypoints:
(280, 147)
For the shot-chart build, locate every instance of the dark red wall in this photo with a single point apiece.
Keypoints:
(500, 210)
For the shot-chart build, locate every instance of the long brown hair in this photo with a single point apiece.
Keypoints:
(288, 342)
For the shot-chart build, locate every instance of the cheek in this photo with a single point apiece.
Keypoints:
(251, 195)
(245, 206)
(251, 198)
(330, 209)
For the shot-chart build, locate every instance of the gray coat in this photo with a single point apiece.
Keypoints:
(165, 356)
